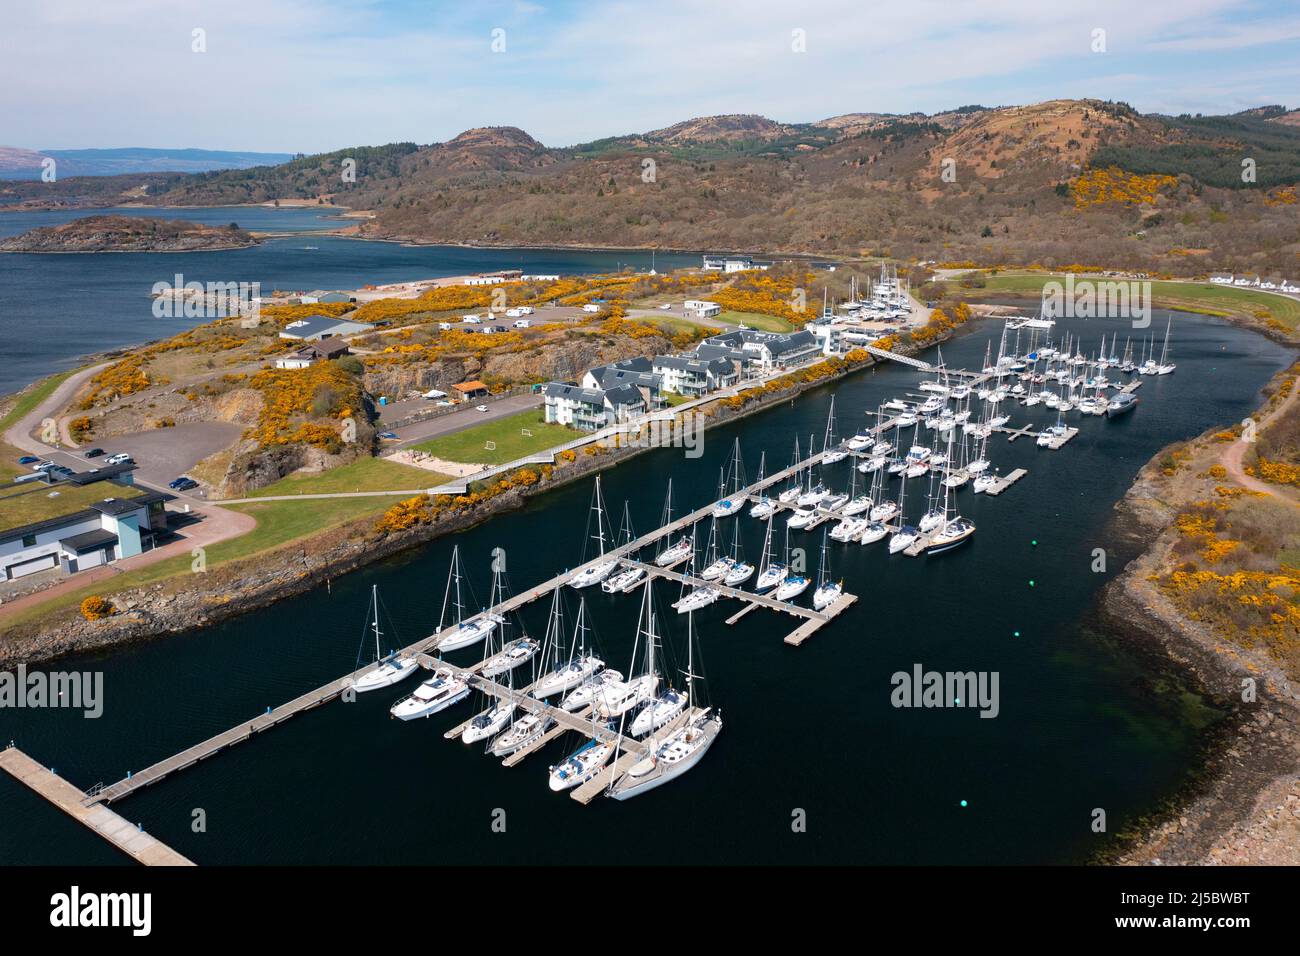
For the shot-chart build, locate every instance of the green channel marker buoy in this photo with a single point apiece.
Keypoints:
(1015, 634)
(1031, 582)
(963, 803)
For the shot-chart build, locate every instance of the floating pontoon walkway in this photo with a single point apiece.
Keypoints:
(128, 838)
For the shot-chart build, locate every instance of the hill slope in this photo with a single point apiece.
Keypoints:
(1018, 184)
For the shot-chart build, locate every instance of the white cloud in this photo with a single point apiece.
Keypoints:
(292, 74)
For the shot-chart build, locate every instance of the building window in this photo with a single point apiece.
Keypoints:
(29, 541)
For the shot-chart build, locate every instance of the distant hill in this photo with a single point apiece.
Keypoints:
(1062, 182)
(17, 163)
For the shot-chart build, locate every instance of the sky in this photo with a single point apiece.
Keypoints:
(317, 75)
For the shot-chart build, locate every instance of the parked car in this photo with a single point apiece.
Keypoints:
(28, 460)
(121, 458)
(177, 482)
(481, 408)
(43, 466)
(94, 453)
(389, 436)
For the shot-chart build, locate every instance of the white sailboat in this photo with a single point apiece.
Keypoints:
(389, 668)
(763, 505)
(680, 750)
(675, 552)
(578, 665)
(902, 539)
(735, 500)
(616, 698)
(792, 585)
(464, 631)
(828, 591)
(740, 570)
(601, 568)
(770, 572)
(629, 579)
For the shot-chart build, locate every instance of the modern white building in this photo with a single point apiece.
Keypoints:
(702, 308)
(105, 521)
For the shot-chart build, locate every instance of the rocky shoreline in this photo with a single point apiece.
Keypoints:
(128, 234)
(161, 609)
(1242, 806)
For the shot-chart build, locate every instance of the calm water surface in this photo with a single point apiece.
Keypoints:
(55, 308)
(1083, 723)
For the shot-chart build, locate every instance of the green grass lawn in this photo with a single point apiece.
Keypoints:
(1201, 297)
(9, 455)
(364, 474)
(278, 523)
(756, 320)
(35, 501)
(468, 446)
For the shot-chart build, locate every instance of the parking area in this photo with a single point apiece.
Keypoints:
(160, 454)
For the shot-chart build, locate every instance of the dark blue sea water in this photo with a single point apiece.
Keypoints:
(55, 308)
(1085, 723)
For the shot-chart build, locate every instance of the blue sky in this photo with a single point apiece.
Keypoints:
(312, 75)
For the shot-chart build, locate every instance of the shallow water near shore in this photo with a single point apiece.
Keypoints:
(1083, 722)
(55, 308)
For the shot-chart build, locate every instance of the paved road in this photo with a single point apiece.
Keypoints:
(461, 419)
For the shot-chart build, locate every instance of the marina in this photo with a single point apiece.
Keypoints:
(739, 603)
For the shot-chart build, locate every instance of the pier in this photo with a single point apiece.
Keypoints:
(627, 555)
(128, 838)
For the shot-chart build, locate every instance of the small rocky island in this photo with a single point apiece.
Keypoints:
(129, 234)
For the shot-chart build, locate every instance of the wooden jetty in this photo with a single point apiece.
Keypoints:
(1005, 482)
(127, 837)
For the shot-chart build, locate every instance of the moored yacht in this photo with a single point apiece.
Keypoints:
(437, 693)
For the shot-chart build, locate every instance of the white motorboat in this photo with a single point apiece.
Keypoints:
(849, 529)
(983, 483)
(437, 693)
(801, 518)
(522, 732)
(618, 697)
(812, 496)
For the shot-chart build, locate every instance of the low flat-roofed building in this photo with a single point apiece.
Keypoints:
(75, 526)
(316, 327)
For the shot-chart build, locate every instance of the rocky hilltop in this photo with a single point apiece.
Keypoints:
(129, 234)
